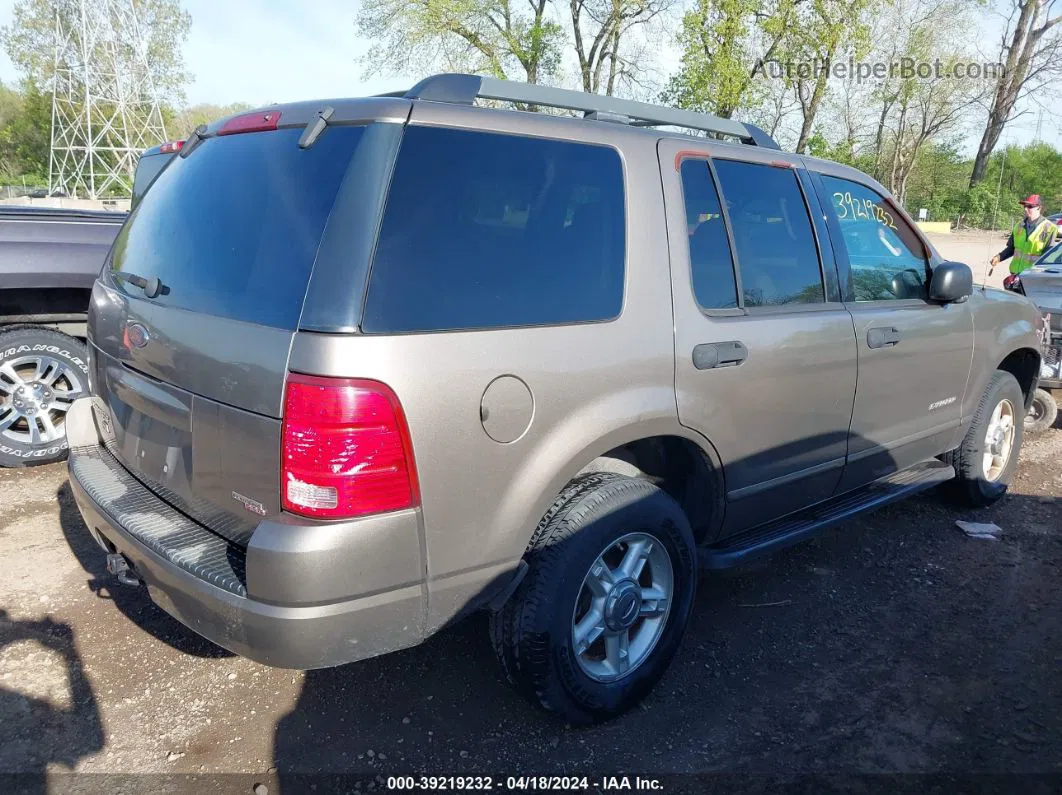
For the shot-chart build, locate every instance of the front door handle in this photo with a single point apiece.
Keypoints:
(710, 355)
(883, 337)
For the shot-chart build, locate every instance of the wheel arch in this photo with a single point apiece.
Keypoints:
(687, 467)
(1024, 364)
(654, 450)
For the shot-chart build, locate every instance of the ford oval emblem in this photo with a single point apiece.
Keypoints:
(137, 335)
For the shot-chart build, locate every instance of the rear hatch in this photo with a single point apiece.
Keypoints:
(195, 311)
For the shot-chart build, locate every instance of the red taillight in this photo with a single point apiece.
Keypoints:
(251, 122)
(346, 449)
(171, 146)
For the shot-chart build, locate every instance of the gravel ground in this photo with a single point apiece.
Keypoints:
(893, 643)
(975, 248)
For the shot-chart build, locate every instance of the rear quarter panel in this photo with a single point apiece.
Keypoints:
(594, 386)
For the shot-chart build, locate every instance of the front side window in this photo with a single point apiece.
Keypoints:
(776, 251)
(485, 230)
(887, 259)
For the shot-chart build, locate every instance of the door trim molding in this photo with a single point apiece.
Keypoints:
(766, 485)
(877, 449)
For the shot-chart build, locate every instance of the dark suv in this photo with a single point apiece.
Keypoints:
(361, 366)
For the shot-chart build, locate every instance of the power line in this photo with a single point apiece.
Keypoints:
(105, 107)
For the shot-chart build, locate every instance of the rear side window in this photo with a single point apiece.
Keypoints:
(887, 259)
(232, 230)
(711, 263)
(772, 234)
(484, 230)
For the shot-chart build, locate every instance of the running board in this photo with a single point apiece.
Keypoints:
(797, 527)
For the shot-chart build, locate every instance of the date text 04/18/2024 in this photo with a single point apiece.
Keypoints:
(523, 783)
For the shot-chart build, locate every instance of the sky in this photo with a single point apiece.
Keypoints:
(264, 51)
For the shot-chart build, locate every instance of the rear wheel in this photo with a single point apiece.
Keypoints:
(987, 458)
(1042, 413)
(602, 610)
(42, 372)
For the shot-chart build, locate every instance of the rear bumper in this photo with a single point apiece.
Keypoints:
(202, 581)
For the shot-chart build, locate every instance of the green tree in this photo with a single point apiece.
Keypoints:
(730, 46)
(824, 30)
(1031, 53)
(494, 37)
(10, 108)
(927, 108)
(181, 123)
(718, 39)
(600, 33)
(30, 134)
(25, 135)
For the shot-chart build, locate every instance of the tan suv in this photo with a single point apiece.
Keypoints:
(359, 367)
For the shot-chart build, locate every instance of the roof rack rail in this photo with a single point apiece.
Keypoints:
(465, 89)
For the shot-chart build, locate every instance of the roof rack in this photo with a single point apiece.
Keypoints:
(465, 89)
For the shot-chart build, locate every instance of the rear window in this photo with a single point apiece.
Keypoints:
(484, 230)
(232, 230)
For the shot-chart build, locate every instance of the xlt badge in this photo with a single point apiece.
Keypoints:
(253, 506)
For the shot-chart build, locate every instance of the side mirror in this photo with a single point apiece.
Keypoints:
(952, 282)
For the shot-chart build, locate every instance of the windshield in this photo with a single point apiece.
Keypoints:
(1053, 256)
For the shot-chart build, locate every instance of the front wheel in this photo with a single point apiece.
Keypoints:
(602, 610)
(42, 372)
(1042, 412)
(986, 460)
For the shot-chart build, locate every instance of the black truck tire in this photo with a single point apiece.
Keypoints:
(42, 372)
(1042, 413)
(618, 530)
(986, 460)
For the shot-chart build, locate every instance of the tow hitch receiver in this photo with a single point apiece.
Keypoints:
(120, 568)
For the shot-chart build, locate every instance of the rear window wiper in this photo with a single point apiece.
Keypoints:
(316, 127)
(152, 287)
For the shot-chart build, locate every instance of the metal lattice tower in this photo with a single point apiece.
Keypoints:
(105, 109)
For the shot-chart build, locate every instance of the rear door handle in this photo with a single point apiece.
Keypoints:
(883, 337)
(710, 355)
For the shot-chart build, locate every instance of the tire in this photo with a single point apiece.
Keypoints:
(600, 518)
(973, 484)
(1042, 413)
(54, 369)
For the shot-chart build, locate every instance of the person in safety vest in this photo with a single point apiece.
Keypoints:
(1030, 237)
